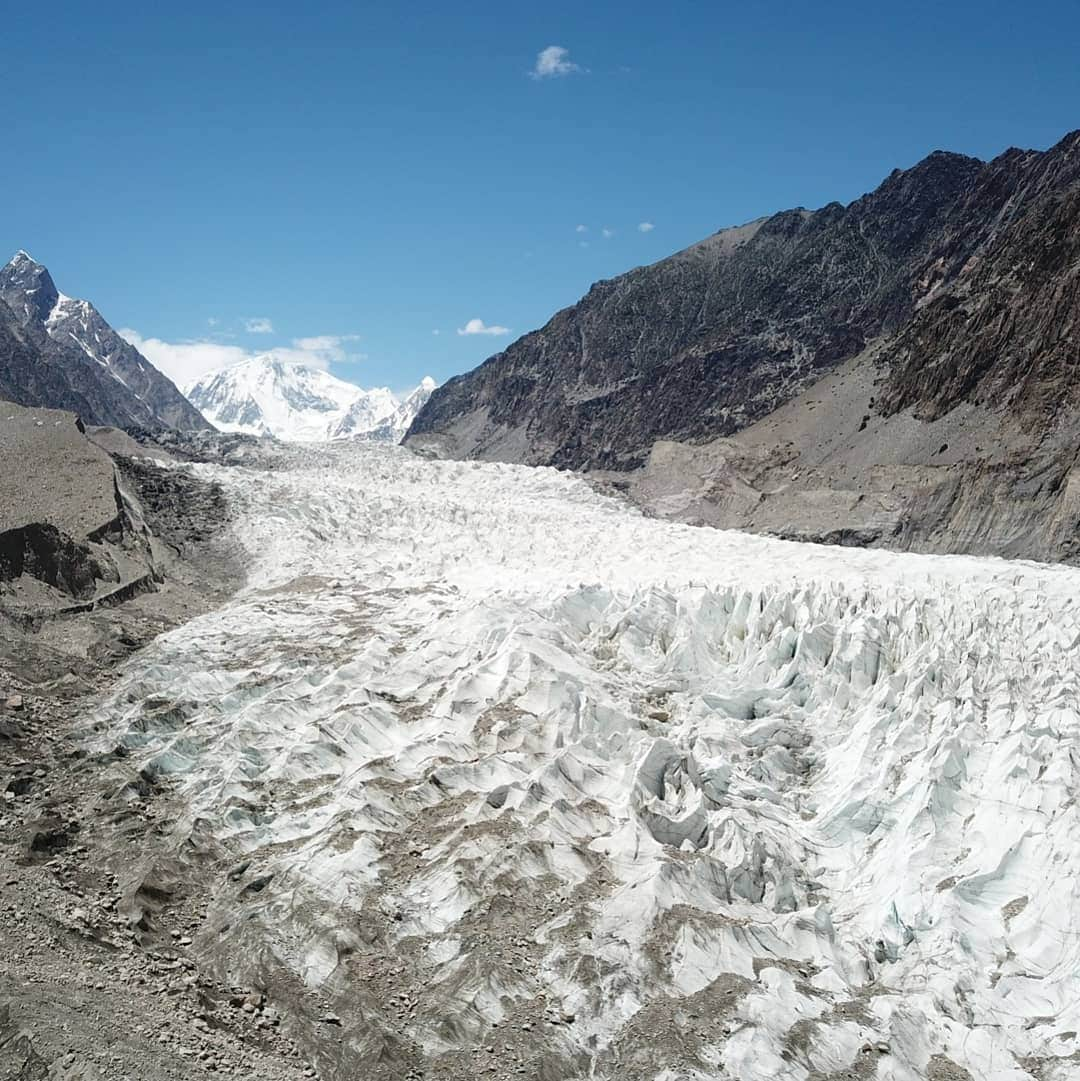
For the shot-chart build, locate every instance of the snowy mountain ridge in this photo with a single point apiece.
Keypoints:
(297, 403)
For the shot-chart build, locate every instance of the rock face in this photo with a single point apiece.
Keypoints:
(961, 274)
(68, 530)
(999, 323)
(59, 353)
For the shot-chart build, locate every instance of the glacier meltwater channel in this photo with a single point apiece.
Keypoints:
(518, 782)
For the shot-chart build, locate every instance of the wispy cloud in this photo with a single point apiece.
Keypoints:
(607, 233)
(186, 361)
(436, 332)
(581, 229)
(331, 347)
(478, 326)
(646, 227)
(552, 63)
(259, 325)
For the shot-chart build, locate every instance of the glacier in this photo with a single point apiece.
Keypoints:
(487, 773)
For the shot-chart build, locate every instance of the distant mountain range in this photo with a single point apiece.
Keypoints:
(58, 352)
(266, 396)
(897, 371)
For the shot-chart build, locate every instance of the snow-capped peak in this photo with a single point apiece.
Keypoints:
(390, 429)
(266, 395)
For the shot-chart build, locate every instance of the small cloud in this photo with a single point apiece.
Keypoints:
(478, 326)
(436, 332)
(582, 229)
(212, 322)
(321, 350)
(646, 227)
(607, 233)
(553, 62)
(258, 326)
(583, 243)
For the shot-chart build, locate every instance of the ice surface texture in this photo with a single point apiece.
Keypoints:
(655, 801)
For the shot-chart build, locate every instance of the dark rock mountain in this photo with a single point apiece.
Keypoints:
(1000, 321)
(57, 352)
(959, 276)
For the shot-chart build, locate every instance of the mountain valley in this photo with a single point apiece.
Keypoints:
(686, 694)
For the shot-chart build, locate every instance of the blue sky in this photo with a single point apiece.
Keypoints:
(361, 176)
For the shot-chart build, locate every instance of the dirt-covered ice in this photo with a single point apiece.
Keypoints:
(511, 780)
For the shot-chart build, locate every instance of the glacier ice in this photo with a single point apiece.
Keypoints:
(513, 766)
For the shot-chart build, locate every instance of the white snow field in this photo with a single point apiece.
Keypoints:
(527, 784)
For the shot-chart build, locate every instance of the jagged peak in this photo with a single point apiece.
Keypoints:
(28, 287)
(23, 263)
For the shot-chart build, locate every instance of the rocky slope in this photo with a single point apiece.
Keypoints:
(954, 284)
(827, 467)
(57, 352)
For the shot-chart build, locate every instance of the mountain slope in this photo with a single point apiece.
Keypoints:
(947, 261)
(58, 352)
(293, 402)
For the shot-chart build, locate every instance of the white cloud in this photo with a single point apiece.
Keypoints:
(328, 346)
(478, 326)
(436, 332)
(184, 362)
(582, 229)
(553, 62)
(607, 233)
(646, 227)
(259, 325)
